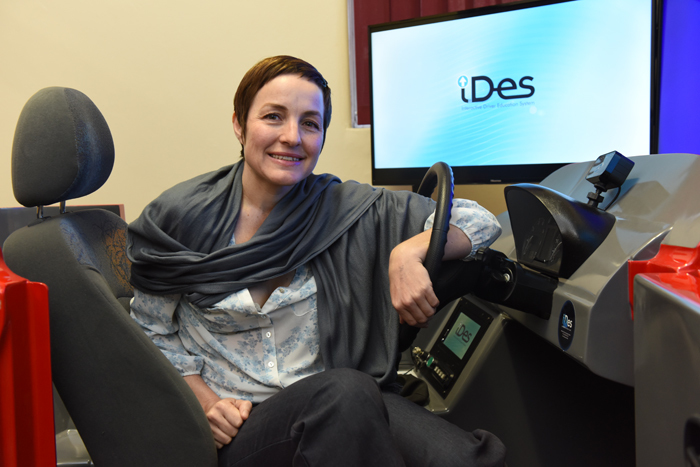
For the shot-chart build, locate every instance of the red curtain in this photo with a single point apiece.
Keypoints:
(368, 12)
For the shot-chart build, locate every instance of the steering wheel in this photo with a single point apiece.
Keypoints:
(439, 174)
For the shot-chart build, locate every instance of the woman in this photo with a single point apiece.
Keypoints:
(267, 287)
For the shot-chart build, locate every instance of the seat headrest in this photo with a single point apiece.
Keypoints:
(62, 149)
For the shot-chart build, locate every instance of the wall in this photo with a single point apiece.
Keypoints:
(163, 73)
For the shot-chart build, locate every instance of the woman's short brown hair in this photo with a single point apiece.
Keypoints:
(270, 68)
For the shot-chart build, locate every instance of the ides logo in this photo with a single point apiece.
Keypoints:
(566, 322)
(504, 89)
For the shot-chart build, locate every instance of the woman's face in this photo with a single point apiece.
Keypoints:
(284, 133)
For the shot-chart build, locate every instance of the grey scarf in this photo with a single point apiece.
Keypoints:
(345, 231)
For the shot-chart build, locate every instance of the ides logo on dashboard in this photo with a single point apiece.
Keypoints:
(506, 88)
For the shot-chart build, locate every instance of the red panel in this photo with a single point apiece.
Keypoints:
(457, 5)
(405, 9)
(674, 266)
(433, 7)
(482, 3)
(26, 396)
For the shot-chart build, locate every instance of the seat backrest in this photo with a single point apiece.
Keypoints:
(128, 402)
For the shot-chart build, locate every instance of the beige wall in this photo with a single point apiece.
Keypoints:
(163, 73)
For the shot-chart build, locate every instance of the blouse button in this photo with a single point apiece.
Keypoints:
(270, 364)
(269, 334)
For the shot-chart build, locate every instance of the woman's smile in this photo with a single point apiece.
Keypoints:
(285, 157)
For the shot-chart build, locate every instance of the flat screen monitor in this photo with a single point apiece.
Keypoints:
(510, 93)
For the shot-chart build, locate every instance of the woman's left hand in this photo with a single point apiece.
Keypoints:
(411, 290)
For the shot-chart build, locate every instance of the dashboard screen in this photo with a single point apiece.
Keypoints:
(462, 335)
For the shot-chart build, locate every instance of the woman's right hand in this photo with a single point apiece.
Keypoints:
(226, 416)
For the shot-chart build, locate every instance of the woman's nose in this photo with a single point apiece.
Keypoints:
(290, 134)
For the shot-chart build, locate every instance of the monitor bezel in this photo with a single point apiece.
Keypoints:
(506, 174)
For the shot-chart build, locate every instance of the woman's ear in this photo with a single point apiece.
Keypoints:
(238, 130)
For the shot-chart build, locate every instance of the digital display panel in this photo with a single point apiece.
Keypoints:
(534, 86)
(462, 335)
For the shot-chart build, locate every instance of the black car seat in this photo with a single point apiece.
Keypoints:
(129, 404)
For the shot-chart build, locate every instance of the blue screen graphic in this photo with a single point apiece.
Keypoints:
(550, 84)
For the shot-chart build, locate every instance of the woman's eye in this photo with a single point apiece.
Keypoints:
(312, 124)
(271, 117)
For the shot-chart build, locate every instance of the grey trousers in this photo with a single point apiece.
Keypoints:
(341, 418)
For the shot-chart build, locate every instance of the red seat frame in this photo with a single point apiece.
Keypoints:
(26, 396)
